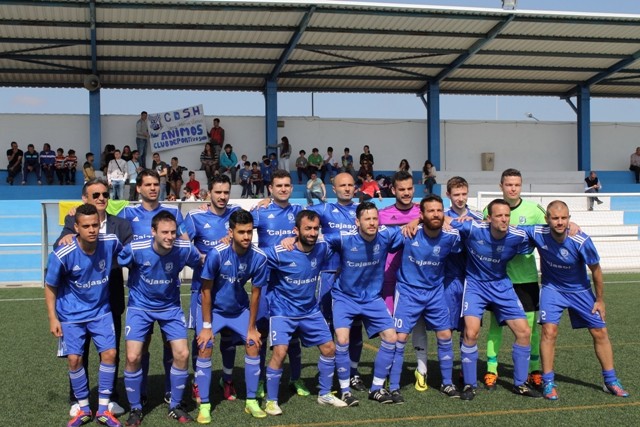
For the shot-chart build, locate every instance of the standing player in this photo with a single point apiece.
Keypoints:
(565, 285)
(77, 299)
(358, 292)
(225, 305)
(154, 295)
(420, 292)
(293, 307)
(523, 272)
(490, 246)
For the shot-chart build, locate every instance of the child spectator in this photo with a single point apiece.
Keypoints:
(302, 166)
(245, 180)
(273, 162)
(256, 180)
(61, 170)
(265, 170)
(87, 169)
(71, 163)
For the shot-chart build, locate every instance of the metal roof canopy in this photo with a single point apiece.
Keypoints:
(328, 46)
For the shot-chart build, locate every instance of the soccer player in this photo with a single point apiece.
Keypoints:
(420, 291)
(490, 246)
(225, 305)
(293, 306)
(523, 272)
(77, 300)
(565, 285)
(206, 228)
(358, 293)
(154, 295)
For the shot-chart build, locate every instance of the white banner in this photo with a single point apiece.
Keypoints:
(179, 128)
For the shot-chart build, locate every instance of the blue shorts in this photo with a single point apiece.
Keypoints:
(497, 296)
(579, 304)
(374, 314)
(238, 324)
(193, 309)
(312, 330)
(140, 322)
(412, 302)
(74, 335)
(453, 291)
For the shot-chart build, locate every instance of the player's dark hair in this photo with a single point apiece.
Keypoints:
(144, 173)
(93, 181)
(430, 198)
(162, 216)
(310, 215)
(510, 172)
(280, 173)
(85, 210)
(496, 202)
(365, 206)
(400, 176)
(456, 182)
(219, 179)
(240, 217)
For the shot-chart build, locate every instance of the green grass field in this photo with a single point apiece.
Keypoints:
(33, 382)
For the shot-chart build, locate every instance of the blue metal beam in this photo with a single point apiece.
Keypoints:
(433, 123)
(271, 115)
(295, 39)
(584, 128)
(95, 124)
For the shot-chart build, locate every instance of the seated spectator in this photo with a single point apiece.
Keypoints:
(31, 164)
(48, 163)
(175, 177)
(117, 175)
(592, 186)
(14, 156)
(87, 169)
(302, 166)
(365, 169)
(329, 166)
(71, 163)
(366, 159)
(315, 188)
(404, 166)
(256, 180)
(193, 184)
(204, 195)
(245, 180)
(207, 163)
(428, 177)
(61, 167)
(368, 189)
(228, 162)
(188, 195)
(315, 162)
(347, 163)
(634, 165)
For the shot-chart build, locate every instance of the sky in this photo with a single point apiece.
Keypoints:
(452, 107)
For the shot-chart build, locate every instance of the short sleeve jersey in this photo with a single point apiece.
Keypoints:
(274, 223)
(154, 282)
(456, 264)
(335, 218)
(391, 215)
(229, 273)
(564, 265)
(82, 280)
(140, 218)
(293, 290)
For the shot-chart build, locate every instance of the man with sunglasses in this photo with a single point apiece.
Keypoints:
(96, 192)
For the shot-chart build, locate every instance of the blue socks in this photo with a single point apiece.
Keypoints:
(469, 359)
(203, 378)
(79, 385)
(179, 379)
(520, 356)
(396, 369)
(273, 383)
(326, 367)
(445, 357)
(548, 377)
(609, 376)
(106, 379)
(342, 364)
(133, 382)
(251, 375)
(382, 364)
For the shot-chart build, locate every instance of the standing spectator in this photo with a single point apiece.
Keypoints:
(284, 149)
(228, 162)
(634, 164)
(347, 163)
(369, 189)
(216, 135)
(106, 157)
(142, 137)
(175, 177)
(273, 162)
(328, 165)
(256, 179)
(31, 164)
(193, 184)
(162, 169)
(315, 188)
(302, 166)
(428, 177)
(126, 153)
(592, 186)
(267, 173)
(71, 163)
(207, 161)
(245, 180)
(14, 156)
(48, 162)
(315, 162)
(87, 169)
(117, 176)
(133, 168)
(61, 167)
(366, 159)
(404, 166)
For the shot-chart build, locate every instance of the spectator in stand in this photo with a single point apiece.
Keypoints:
(265, 170)
(127, 154)
(188, 195)
(116, 176)
(328, 165)
(273, 162)
(142, 138)
(71, 163)
(634, 164)
(48, 163)
(204, 195)
(347, 163)
(31, 164)
(14, 157)
(592, 186)
(428, 177)
(366, 159)
(162, 169)
(315, 162)
(87, 169)
(133, 169)
(175, 177)
(302, 166)
(207, 162)
(228, 162)
(216, 135)
(369, 189)
(365, 169)
(106, 157)
(256, 180)
(61, 168)
(245, 180)
(243, 159)
(315, 188)
(284, 149)
(404, 166)
(193, 184)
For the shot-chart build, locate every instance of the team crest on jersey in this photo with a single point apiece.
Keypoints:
(168, 267)
(352, 213)
(481, 242)
(376, 248)
(102, 264)
(436, 250)
(242, 267)
(499, 248)
(314, 263)
(226, 225)
(522, 220)
(564, 253)
(291, 217)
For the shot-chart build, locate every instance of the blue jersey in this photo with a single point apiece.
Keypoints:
(140, 218)
(154, 282)
(335, 218)
(292, 290)
(424, 258)
(274, 223)
(229, 273)
(488, 257)
(82, 280)
(563, 265)
(362, 262)
(456, 264)
(205, 229)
